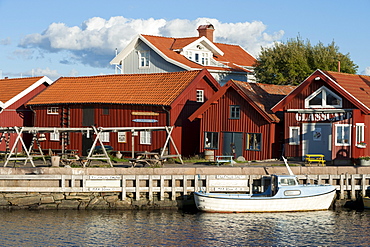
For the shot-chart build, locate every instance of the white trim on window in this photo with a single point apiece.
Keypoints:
(294, 134)
(360, 134)
(144, 59)
(54, 136)
(342, 134)
(53, 110)
(325, 93)
(146, 137)
(104, 136)
(200, 95)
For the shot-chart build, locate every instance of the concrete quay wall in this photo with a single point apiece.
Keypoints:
(151, 188)
(246, 170)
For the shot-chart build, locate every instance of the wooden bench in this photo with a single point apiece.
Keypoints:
(224, 159)
(313, 158)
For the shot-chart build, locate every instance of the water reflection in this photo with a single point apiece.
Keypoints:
(156, 228)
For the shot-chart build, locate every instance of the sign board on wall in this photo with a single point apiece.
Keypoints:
(145, 120)
(322, 116)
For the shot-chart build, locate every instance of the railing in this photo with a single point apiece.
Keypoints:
(170, 186)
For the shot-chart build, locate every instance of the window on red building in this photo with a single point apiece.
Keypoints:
(254, 141)
(211, 140)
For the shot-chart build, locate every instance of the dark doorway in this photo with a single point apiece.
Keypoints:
(232, 144)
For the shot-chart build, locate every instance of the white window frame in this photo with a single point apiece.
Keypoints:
(198, 54)
(122, 137)
(104, 136)
(292, 139)
(144, 59)
(146, 137)
(200, 95)
(53, 110)
(324, 91)
(348, 143)
(360, 133)
(54, 136)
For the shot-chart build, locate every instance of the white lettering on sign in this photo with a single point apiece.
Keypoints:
(318, 117)
(231, 176)
(228, 183)
(105, 177)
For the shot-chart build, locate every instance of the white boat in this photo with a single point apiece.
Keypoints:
(283, 195)
(366, 201)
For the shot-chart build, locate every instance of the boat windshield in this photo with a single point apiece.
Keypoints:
(287, 181)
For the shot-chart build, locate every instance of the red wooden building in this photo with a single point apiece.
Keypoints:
(139, 100)
(237, 120)
(329, 114)
(14, 94)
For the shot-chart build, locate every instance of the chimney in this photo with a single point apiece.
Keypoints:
(207, 31)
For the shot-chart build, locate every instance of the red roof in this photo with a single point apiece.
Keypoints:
(261, 96)
(265, 96)
(355, 88)
(150, 89)
(234, 56)
(9, 88)
(356, 85)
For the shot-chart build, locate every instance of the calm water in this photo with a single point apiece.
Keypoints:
(156, 228)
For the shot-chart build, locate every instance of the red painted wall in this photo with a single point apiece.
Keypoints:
(299, 103)
(18, 115)
(216, 119)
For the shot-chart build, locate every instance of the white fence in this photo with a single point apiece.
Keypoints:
(171, 186)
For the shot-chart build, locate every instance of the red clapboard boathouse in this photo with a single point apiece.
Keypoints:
(14, 94)
(237, 121)
(328, 114)
(125, 100)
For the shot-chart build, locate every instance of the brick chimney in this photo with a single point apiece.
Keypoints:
(207, 31)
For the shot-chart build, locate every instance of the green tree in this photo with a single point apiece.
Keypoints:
(291, 62)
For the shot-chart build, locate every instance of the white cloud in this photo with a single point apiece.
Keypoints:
(95, 41)
(6, 41)
(366, 71)
(25, 54)
(52, 74)
(74, 72)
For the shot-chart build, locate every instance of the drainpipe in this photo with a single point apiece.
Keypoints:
(34, 114)
(168, 123)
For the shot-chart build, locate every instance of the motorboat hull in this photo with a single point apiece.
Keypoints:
(229, 203)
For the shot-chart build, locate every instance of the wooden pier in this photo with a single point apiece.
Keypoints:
(349, 186)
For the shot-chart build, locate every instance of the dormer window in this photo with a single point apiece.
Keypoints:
(199, 54)
(323, 98)
(144, 59)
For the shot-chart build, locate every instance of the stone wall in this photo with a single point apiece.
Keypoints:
(84, 201)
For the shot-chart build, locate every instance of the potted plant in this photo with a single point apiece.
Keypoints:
(364, 160)
(361, 145)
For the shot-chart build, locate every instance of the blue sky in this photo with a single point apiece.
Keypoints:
(78, 38)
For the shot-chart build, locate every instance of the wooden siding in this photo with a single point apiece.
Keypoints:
(216, 119)
(18, 115)
(157, 63)
(119, 116)
(188, 133)
(337, 152)
(299, 101)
